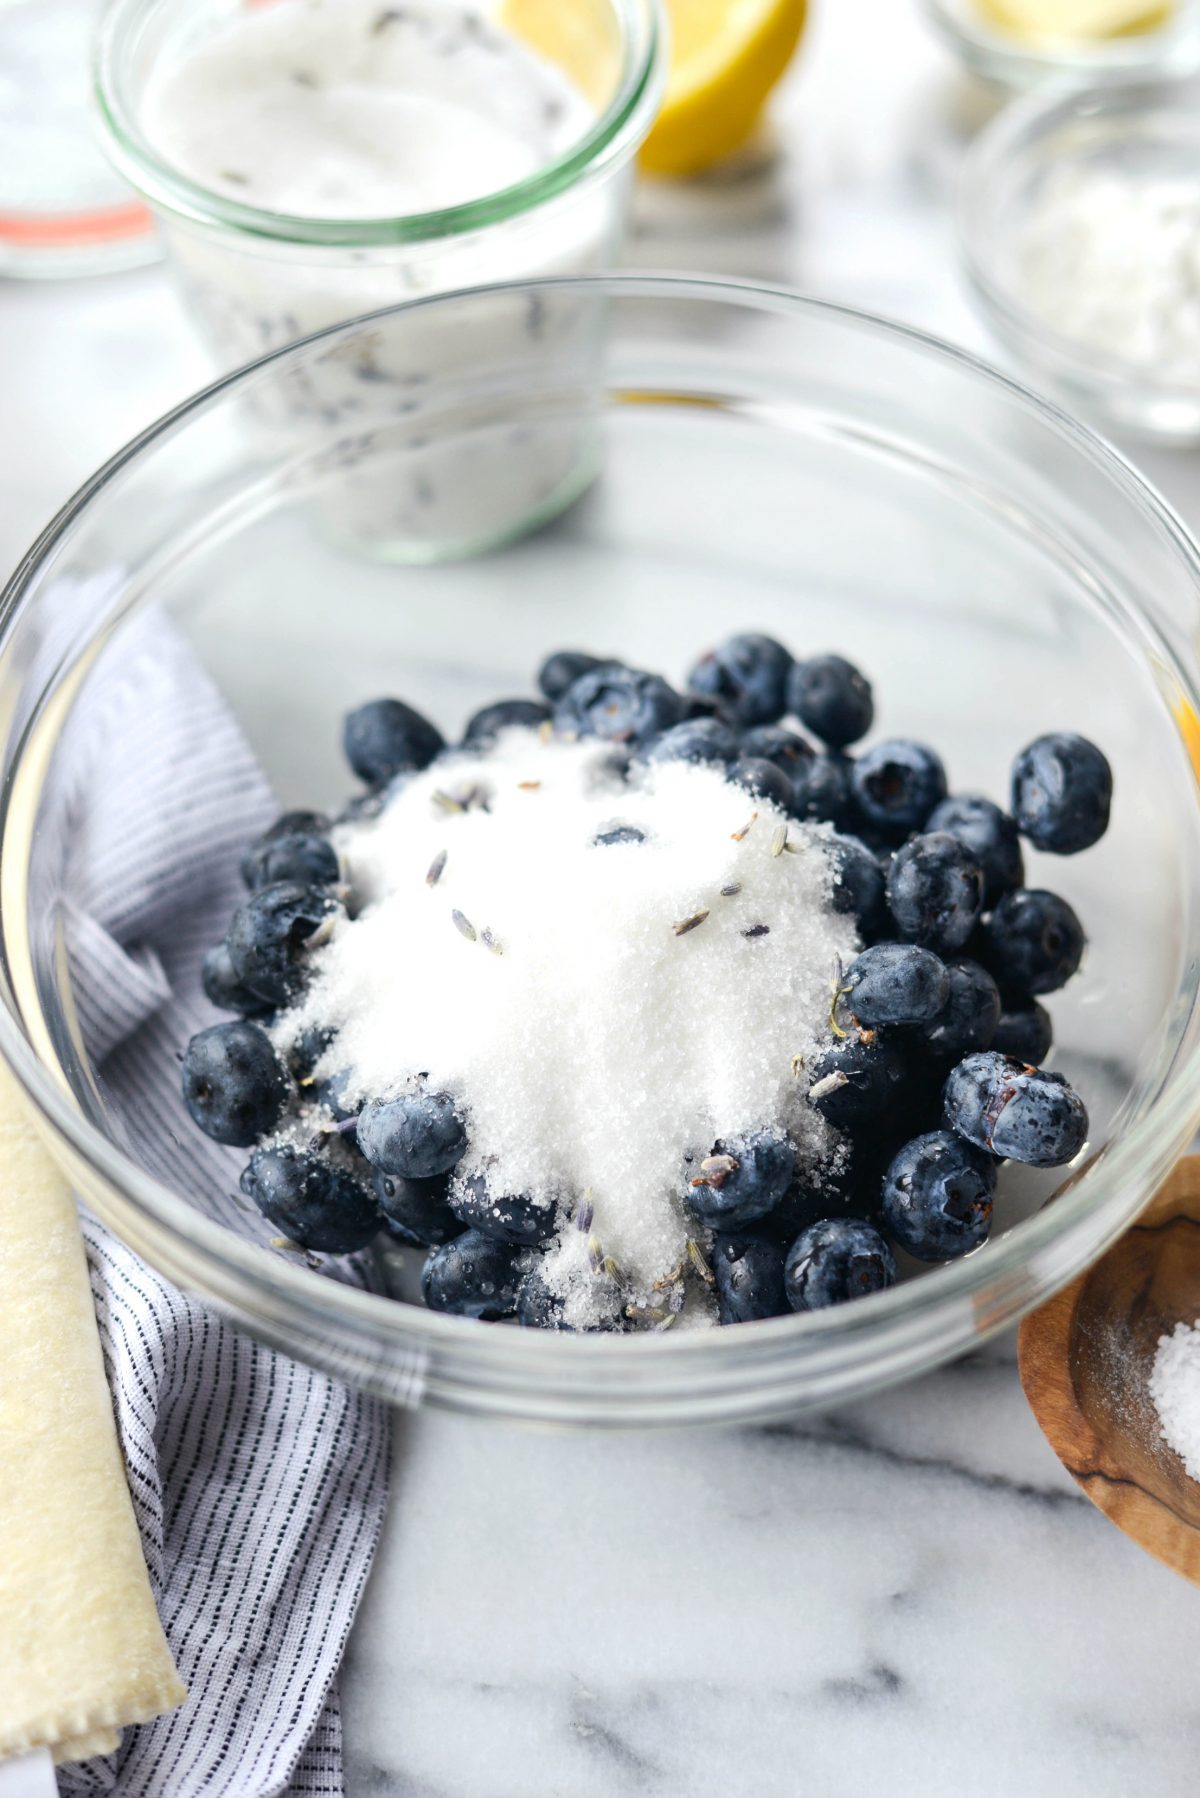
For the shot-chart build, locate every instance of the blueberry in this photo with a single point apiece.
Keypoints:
(695, 740)
(1024, 1032)
(271, 936)
(562, 669)
(896, 983)
(935, 891)
(764, 780)
(989, 834)
(621, 705)
(830, 695)
(772, 743)
(290, 824)
(1033, 942)
(541, 1308)
(385, 737)
(415, 1212)
(739, 1180)
(312, 1202)
(858, 884)
(233, 1083)
(823, 792)
(968, 1020)
(1019, 1113)
(484, 725)
(334, 1092)
(620, 833)
(839, 1259)
(896, 785)
(474, 1276)
(1061, 793)
(299, 856)
(749, 1276)
(855, 1083)
(418, 1135)
(937, 1196)
(516, 1217)
(848, 1187)
(222, 987)
(746, 676)
(307, 1050)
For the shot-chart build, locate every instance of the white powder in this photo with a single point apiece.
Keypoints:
(1111, 259)
(1175, 1389)
(593, 1046)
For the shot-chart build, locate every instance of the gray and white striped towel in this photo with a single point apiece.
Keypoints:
(259, 1485)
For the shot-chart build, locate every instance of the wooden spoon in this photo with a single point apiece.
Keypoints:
(1085, 1361)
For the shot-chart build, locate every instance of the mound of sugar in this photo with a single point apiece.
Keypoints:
(1175, 1389)
(598, 1010)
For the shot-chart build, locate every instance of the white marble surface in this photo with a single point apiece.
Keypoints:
(906, 1598)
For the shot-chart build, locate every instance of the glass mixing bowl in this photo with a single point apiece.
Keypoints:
(764, 461)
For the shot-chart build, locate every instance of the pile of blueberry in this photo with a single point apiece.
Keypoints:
(931, 1073)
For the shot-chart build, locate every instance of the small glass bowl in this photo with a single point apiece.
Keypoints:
(1148, 131)
(1169, 50)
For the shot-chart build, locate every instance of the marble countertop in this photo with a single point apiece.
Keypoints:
(907, 1597)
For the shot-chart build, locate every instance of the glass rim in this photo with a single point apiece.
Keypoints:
(253, 1281)
(621, 127)
(1171, 50)
(1024, 128)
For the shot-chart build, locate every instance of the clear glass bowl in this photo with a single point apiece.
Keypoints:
(1148, 134)
(1168, 51)
(763, 461)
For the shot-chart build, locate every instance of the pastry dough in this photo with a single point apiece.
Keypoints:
(82, 1652)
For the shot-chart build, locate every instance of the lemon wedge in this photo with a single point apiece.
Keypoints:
(726, 56)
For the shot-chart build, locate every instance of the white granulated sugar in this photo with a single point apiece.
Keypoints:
(1111, 259)
(1175, 1389)
(592, 1046)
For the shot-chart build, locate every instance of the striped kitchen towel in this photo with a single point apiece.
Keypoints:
(259, 1485)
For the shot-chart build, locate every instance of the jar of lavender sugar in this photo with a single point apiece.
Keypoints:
(315, 160)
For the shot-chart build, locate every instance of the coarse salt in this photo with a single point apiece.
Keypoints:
(1175, 1389)
(598, 1011)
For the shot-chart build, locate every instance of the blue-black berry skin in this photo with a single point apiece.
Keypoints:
(989, 834)
(620, 833)
(272, 934)
(822, 792)
(935, 891)
(831, 696)
(299, 856)
(307, 1050)
(835, 1261)
(1033, 942)
(739, 1181)
(747, 677)
(233, 1083)
(937, 1196)
(859, 888)
(772, 743)
(1024, 1031)
(315, 1204)
(334, 1093)
(749, 1278)
(223, 989)
(385, 737)
(1062, 793)
(619, 705)
(418, 1135)
(415, 1212)
(896, 983)
(486, 724)
(474, 1276)
(1017, 1112)
(289, 824)
(763, 780)
(969, 1019)
(511, 1217)
(855, 1084)
(695, 740)
(562, 669)
(538, 1308)
(897, 784)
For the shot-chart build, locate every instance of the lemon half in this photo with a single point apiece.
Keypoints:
(726, 56)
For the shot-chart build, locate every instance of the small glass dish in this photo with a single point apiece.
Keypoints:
(1150, 135)
(1165, 51)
